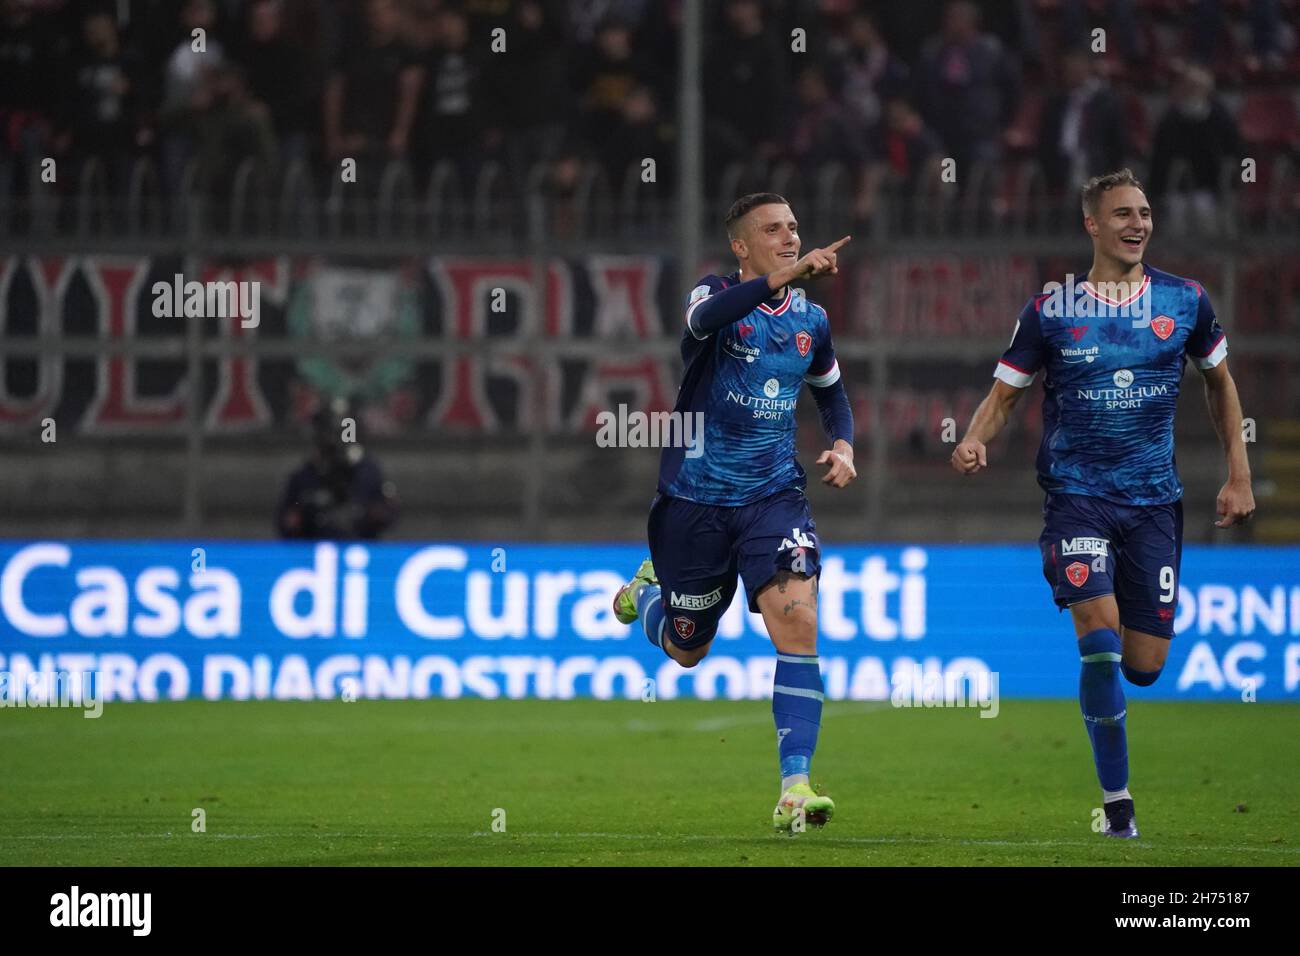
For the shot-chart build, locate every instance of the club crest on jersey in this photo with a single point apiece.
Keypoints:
(1077, 574)
(684, 627)
(803, 342)
(1162, 326)
(1078, 331)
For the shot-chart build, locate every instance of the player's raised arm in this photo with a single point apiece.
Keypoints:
(713, 306)
(1014, 373)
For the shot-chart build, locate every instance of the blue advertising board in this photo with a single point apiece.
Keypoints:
(236, 620)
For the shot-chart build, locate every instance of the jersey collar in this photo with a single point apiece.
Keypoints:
(780, 307)
(1086, 286)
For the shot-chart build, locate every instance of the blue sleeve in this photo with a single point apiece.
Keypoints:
(713, 305)
(823, 379)
(836, 412)
(1207, 346)
(1026, 354)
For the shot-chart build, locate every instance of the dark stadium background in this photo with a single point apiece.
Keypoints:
(522, 171)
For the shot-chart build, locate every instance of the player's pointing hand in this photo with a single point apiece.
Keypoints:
(970, 456)
(819, 262)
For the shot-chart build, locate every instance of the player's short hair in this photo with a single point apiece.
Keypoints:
(1096, 187)
(742, 207)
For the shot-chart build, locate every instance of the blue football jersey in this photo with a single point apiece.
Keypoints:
(745, 379)
(1111, 375)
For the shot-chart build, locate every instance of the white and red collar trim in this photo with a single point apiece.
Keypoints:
(778, 310)
(1106, 300)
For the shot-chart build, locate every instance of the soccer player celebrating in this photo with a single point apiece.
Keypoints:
(1113, 517)
(736, 505)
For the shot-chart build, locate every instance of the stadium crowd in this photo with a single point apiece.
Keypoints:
(885, 89)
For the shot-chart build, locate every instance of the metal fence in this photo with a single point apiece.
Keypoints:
(914, 332)
(401, 208)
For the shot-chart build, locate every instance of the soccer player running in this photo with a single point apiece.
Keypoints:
(1113, 514)
(736, 505)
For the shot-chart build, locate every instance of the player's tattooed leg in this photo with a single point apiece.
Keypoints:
(791, 601)
(789, 607)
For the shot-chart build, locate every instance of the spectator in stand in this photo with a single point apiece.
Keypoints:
(279, 73)
(745, 90)
(825, 132)
(1082, 133)
(184, 73)
(908, 158)
(1195, 135)
(640, 133)
(96, 113)
(533, 115)
(867, 73)
(459, 122)
(909, 148)
(606, 75)
(968, 88)
(25, 87)
(1268, 34)
(1120, 22)
(230, 128)
(372, 95)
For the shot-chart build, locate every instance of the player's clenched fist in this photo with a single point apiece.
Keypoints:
(1235, 504)
(970, 456)
(819, 262)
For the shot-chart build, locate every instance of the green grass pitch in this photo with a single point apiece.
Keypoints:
(631, 783)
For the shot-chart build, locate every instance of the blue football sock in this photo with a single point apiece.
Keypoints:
(650, 608)
(797, 707)
(1101, 698)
